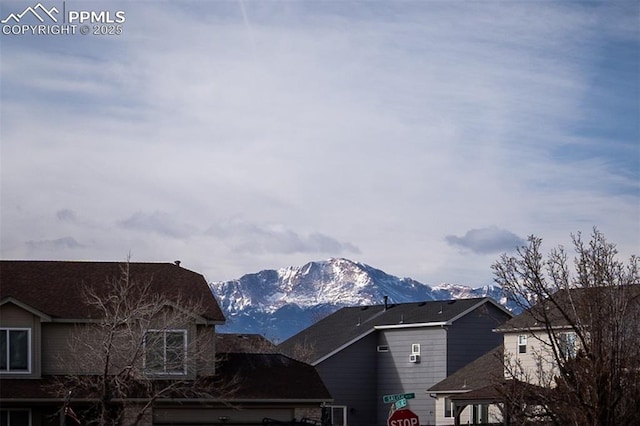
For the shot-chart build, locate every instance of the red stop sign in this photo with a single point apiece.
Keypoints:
(404, 417)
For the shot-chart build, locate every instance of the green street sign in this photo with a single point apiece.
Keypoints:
(388, 399)
(401, 403)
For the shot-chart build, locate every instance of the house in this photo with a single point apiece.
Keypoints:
(469, 396)
(539, 371)
(365, 353)
(54, 316)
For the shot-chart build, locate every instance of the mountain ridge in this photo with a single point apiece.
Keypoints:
(279, 303)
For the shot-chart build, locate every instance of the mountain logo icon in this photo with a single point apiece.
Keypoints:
(39, 11)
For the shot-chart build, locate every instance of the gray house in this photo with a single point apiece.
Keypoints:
(364, 353)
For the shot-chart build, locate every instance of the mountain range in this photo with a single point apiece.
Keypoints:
(280, 303)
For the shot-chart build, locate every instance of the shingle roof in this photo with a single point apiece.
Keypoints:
(484, 371)
(351, 323)
(580, 298)
(55, 287)
(243, 343)
(272, 376)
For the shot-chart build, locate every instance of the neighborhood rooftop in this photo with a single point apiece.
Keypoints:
(351, 323)
(59, 294)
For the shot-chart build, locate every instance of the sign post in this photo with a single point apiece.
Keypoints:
(403, 417)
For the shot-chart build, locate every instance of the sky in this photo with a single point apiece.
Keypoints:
(423, 138)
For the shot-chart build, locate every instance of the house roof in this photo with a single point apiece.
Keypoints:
(243, 343)
(251, 378)
(54, 288)
(272, 377)
(348, 325)
(579, 298)
(485, 371)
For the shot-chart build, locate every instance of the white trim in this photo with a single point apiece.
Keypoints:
(339, 348)
(43, 317)
(414, 325)
(8, 371)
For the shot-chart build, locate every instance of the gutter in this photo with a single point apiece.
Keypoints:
(413, 325)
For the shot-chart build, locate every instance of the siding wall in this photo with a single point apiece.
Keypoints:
(350, 377)
(397, 375)
(537, 363)
(471, 336)
(55, 344)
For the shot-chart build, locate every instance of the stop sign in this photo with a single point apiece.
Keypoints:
(404, 417)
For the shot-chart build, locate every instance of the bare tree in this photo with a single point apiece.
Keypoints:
(140, 347)
(586, 322)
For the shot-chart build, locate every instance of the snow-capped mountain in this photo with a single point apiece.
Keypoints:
(279, 303)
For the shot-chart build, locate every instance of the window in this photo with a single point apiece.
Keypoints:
(383, 348)
(415, 349)
(15, 350)
(567, 344)
(15, 418)
(448, 407)
(166, 351)
(522, 344)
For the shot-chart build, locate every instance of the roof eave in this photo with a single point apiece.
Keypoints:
(413, 325)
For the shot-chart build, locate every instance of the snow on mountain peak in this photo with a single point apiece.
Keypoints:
(281, 302)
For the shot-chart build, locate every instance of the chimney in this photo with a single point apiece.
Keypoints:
(177, 262)
(386, 302)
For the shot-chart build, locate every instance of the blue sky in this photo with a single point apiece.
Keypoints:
(421, 137)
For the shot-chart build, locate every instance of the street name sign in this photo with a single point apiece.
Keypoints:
(401, 403)
(388, 399)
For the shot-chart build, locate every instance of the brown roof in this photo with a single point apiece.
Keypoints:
(55, 287)
(243, 343)
(272, 376)
(485, 371)
(580, 298)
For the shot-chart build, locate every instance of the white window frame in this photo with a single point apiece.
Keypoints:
(10, 410)
(343, 408)
(383, 348)
(415, 349)
(522, 344)
(448, 403)
(164, 371)
(7, 330)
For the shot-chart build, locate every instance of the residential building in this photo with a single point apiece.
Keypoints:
(365, 353)
(46, 305)
(469, 396)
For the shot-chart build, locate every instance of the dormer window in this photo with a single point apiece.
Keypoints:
(15, 350)
(166, 352)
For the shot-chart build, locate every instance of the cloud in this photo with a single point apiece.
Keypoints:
(486, 240)
(66, 215)
(323, 124)
(49, 245)
(245, 237)
(157, 222)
